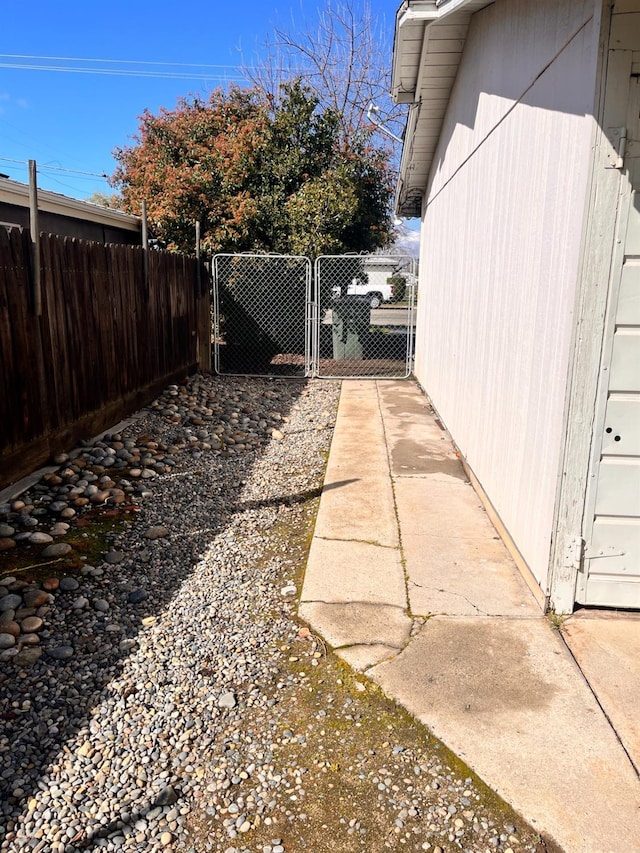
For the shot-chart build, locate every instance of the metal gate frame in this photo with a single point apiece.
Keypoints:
(351, 312)
(356, 314)
(256, 278)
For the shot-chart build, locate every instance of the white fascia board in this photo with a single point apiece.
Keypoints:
(12, 192)
(448, 7)
(418, 17)
(414, 14)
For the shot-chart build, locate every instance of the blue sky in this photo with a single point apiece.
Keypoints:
(73, 121)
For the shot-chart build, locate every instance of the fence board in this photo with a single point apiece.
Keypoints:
(104, 344)
(28, 417)
(6, 342)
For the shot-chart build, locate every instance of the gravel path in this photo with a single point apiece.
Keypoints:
(164, 696)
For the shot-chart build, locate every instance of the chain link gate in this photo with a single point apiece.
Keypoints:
(262, 315)
(356, 321)
(365, 325)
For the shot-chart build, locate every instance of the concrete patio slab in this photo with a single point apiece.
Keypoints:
(442, 507)
(358, 508)
(362, 658)
(346, 572)
(509, 700)
(417, 443)
(357, 498)
(607, 649)
(459, 577)
(359, 623)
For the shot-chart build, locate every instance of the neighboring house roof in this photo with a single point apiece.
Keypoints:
(383, 261)
(17, 194)
(429, 39)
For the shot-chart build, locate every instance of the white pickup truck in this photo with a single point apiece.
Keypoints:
(378, 292)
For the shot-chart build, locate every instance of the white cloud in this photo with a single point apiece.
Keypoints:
(20, 102)
(408, 240)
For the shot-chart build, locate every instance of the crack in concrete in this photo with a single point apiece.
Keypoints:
(373, 604)
(449, 592)
(361, 541)
(371, 645)
(403, 560)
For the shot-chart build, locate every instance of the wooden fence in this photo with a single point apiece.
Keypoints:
(105, 343)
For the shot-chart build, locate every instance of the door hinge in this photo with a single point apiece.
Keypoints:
(594, 553)
(573, 553)
(617, 137)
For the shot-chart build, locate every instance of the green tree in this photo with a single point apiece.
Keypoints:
(258, 175)
(320, 195)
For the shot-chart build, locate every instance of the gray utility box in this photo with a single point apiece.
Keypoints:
(351, 316)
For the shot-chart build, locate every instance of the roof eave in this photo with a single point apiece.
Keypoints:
(415, 51)
(411, 20)
(13, 192)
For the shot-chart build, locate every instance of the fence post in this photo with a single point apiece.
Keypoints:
(203, 313)
(198, 271)
(34, 230)
(145, 244)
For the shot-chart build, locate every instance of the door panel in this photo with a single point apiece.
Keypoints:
(610, 574)
(618, 488)
(614, 542)
(629, 300)
(621, 433)
(625, 370)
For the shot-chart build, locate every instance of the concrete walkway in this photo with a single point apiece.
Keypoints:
(408, 580)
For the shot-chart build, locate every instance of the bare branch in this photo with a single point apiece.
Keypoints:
(345, 59)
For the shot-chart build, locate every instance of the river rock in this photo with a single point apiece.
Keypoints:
(31, 624)
(227, 700)
(60, 652)
(35, 598)
(58, 549)
(39, 538)
(10, 602)
(156, 532)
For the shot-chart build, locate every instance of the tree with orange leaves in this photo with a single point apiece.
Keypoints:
(196, 163)
(259, 176)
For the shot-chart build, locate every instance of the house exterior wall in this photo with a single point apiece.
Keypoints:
(378, 274)
(380, 271)
(67, 217)
(503, 222)
(67, 226)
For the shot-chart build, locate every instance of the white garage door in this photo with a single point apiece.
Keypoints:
(611, 571)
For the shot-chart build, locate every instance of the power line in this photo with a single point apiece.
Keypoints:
(218, 71)
(121, 72)
(122, 61)
(43, 167)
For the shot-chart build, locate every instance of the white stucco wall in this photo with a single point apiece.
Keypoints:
(502, 228)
